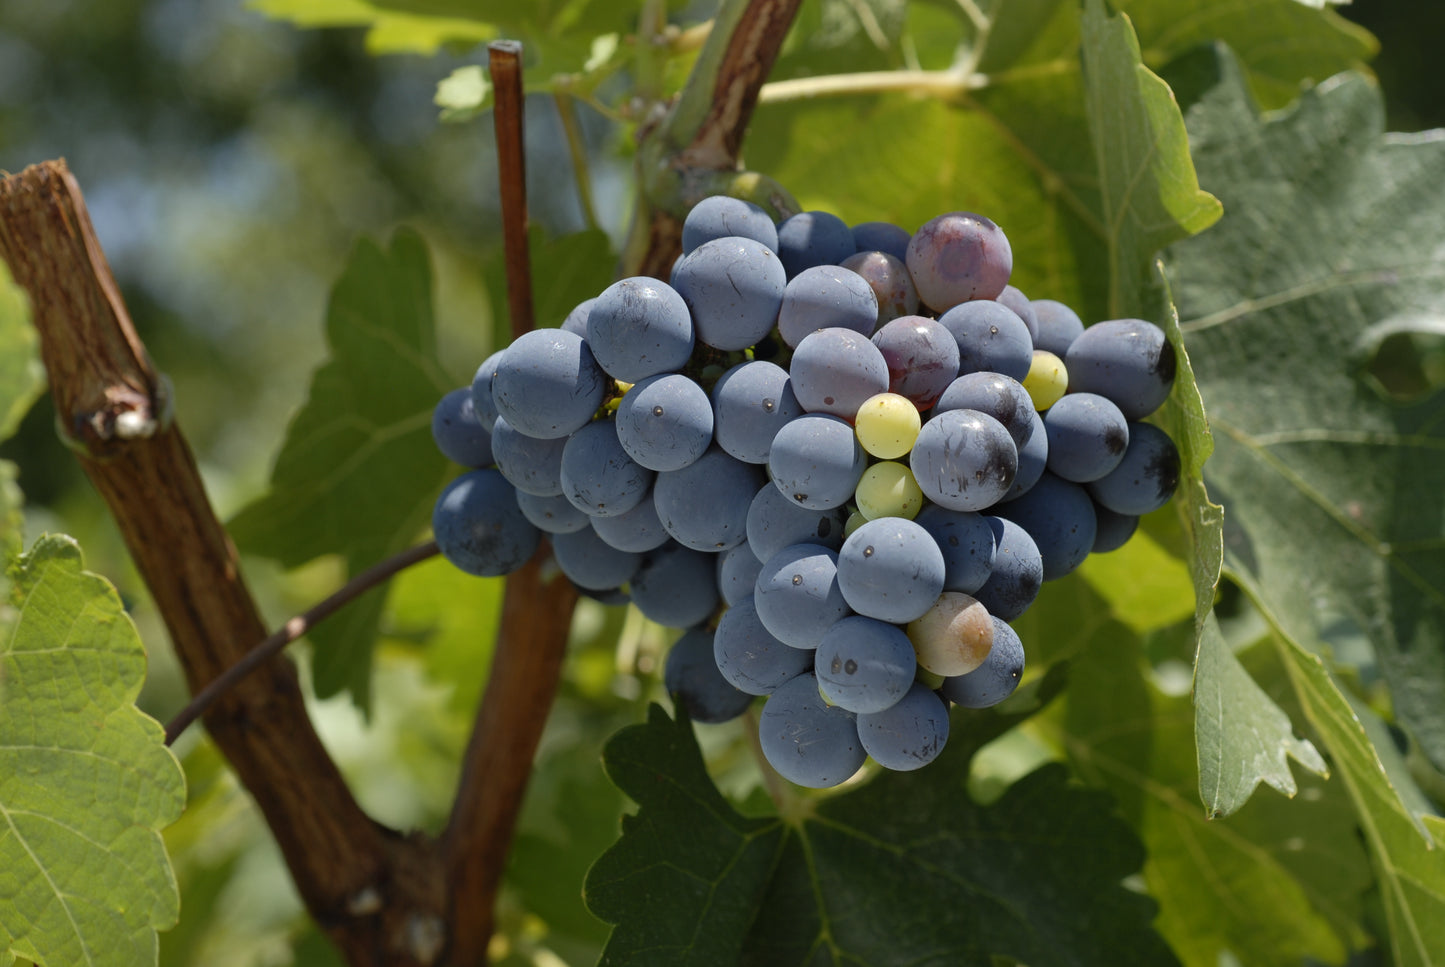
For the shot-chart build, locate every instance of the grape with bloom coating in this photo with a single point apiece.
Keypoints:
(887, 425)
(890, 569)
(908, 734)
(807, 741)
(692, 678)
(864, 665)
(834, 370)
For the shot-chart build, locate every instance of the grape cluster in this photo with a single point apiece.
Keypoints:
(843, 459)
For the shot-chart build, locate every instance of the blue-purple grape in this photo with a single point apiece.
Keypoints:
(835, 370)
(639, 327)
(748, 655)
(815, 461)
(964, 460)
(805, 740)
(751, 403)
(665, 422)
(691, 677)
(1126, 360)
(1087, 437)
(720, 216)
(479, 527)
(734, 288)
(908, 734)
(890, 569)
(458, 431)
(823, 297)
(1145, 478)
(547, 384)
(813, 238)
(864, 665)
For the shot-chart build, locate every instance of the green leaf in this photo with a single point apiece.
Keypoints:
(388, 32)
(1334, 491)
(903, 870)
(1243, 737)
(1087, 170)
(1279, 881)
(1409, 868)
(86, 782)
(22, 379)
(358, 470)
(1148, 193)
(464, 93)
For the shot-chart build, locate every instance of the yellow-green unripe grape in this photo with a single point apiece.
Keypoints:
(1047, 379)
(888, 489)
(855, 520)
(887, 425)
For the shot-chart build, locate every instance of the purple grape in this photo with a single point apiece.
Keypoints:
(891, 284)
(957, 257)
(1058, 325)
(922, 358)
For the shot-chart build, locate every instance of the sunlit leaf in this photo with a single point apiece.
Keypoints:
(86, 782)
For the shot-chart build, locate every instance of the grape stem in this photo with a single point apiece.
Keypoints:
(505, 65)
(290, 631)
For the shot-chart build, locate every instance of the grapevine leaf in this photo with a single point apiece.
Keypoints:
(1242, 736)
(1275, 882)
(1148, 193)
(903, 870)
(387, 31)
(21, 377)
(1086, 168)
(1334, 489)
(86, 782)
(557, 37)
(21, 380)
(1410, 872)
(358, 470)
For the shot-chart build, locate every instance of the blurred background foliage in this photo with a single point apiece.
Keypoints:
(230, 161)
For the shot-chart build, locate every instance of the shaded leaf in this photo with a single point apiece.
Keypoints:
(1335, 492)
(358, 470)
(86, 782)
(1277, 881)
(1409, 867)
(904, 870)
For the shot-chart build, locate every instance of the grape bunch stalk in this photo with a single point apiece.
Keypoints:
(841, 459)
